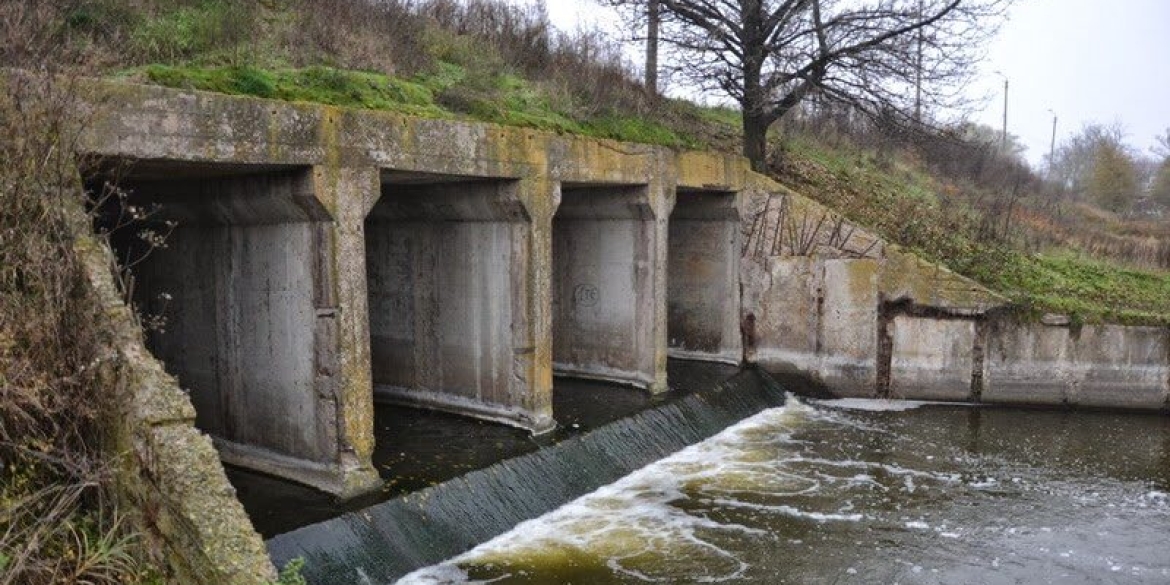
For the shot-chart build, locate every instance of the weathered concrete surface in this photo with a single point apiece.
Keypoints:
(448, 267)
(932, 358)
(1106, 366)
(811, 288)
(1029, 364)
(816, 317)
(288, 213)
(249, 300)
(828, 301)
(184, 513)
(455, 264)
(703, 300)
(605, 286)
(1127, 367)
(848, 312)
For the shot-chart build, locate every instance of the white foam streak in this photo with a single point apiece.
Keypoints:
(638, 508)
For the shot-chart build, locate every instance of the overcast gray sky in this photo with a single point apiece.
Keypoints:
(1087, 60)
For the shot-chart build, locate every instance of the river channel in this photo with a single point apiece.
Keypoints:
(856, 491)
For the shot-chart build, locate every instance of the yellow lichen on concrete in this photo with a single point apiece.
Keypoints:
(909, 277)
(711, 171)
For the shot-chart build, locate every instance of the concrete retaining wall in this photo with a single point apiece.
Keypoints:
(169, 478)
(1095, 365)
(826, 301)
(932, 358)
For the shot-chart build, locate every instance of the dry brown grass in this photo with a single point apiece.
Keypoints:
(57, 524)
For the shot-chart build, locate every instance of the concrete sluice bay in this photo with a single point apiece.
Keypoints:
(855, 492)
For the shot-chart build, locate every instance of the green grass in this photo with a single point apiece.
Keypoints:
(1087, 289)
(906, 205)
(321, 85)
(448, 92)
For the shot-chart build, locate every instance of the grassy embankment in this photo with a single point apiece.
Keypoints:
(938, 220)
(486, 63)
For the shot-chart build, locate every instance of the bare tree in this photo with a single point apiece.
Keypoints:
(769, 55)
(1162, 144)
(653, 22)
(1076, 156)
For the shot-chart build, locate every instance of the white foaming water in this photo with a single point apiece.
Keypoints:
(811, 494)
(879, 404)
(631, 521)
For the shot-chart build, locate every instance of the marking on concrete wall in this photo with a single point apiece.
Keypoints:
(586, 295)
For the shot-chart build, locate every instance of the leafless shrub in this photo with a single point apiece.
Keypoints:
(785, 229)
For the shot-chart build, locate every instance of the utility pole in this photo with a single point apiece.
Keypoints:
(1003, 138)
(1052, 145)
(653, 18)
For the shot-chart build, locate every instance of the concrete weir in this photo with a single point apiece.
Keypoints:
(326, 258)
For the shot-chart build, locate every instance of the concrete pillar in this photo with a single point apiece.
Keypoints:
(450, 269)
(257, 328)
(703, 278)
(609, 283)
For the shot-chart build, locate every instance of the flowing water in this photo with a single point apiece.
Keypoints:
(865, 492)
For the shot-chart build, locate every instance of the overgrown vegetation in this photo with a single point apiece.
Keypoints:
(481, 60)
(985, 217)
(58, 520)
(954, 197)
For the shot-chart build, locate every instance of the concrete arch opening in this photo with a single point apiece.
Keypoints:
(448, 262)
(239, 305)
(703, 300)
(605, 250)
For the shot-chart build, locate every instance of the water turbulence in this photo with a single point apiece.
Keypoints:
(385, 541)
(813, 492)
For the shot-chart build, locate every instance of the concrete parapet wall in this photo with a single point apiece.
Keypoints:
(1107, 366)
(180, 504)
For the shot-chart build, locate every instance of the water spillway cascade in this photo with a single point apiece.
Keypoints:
(381, 542)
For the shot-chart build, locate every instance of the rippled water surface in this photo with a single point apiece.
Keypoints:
(831, 492)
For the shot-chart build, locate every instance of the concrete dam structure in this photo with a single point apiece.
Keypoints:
(325, 260)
